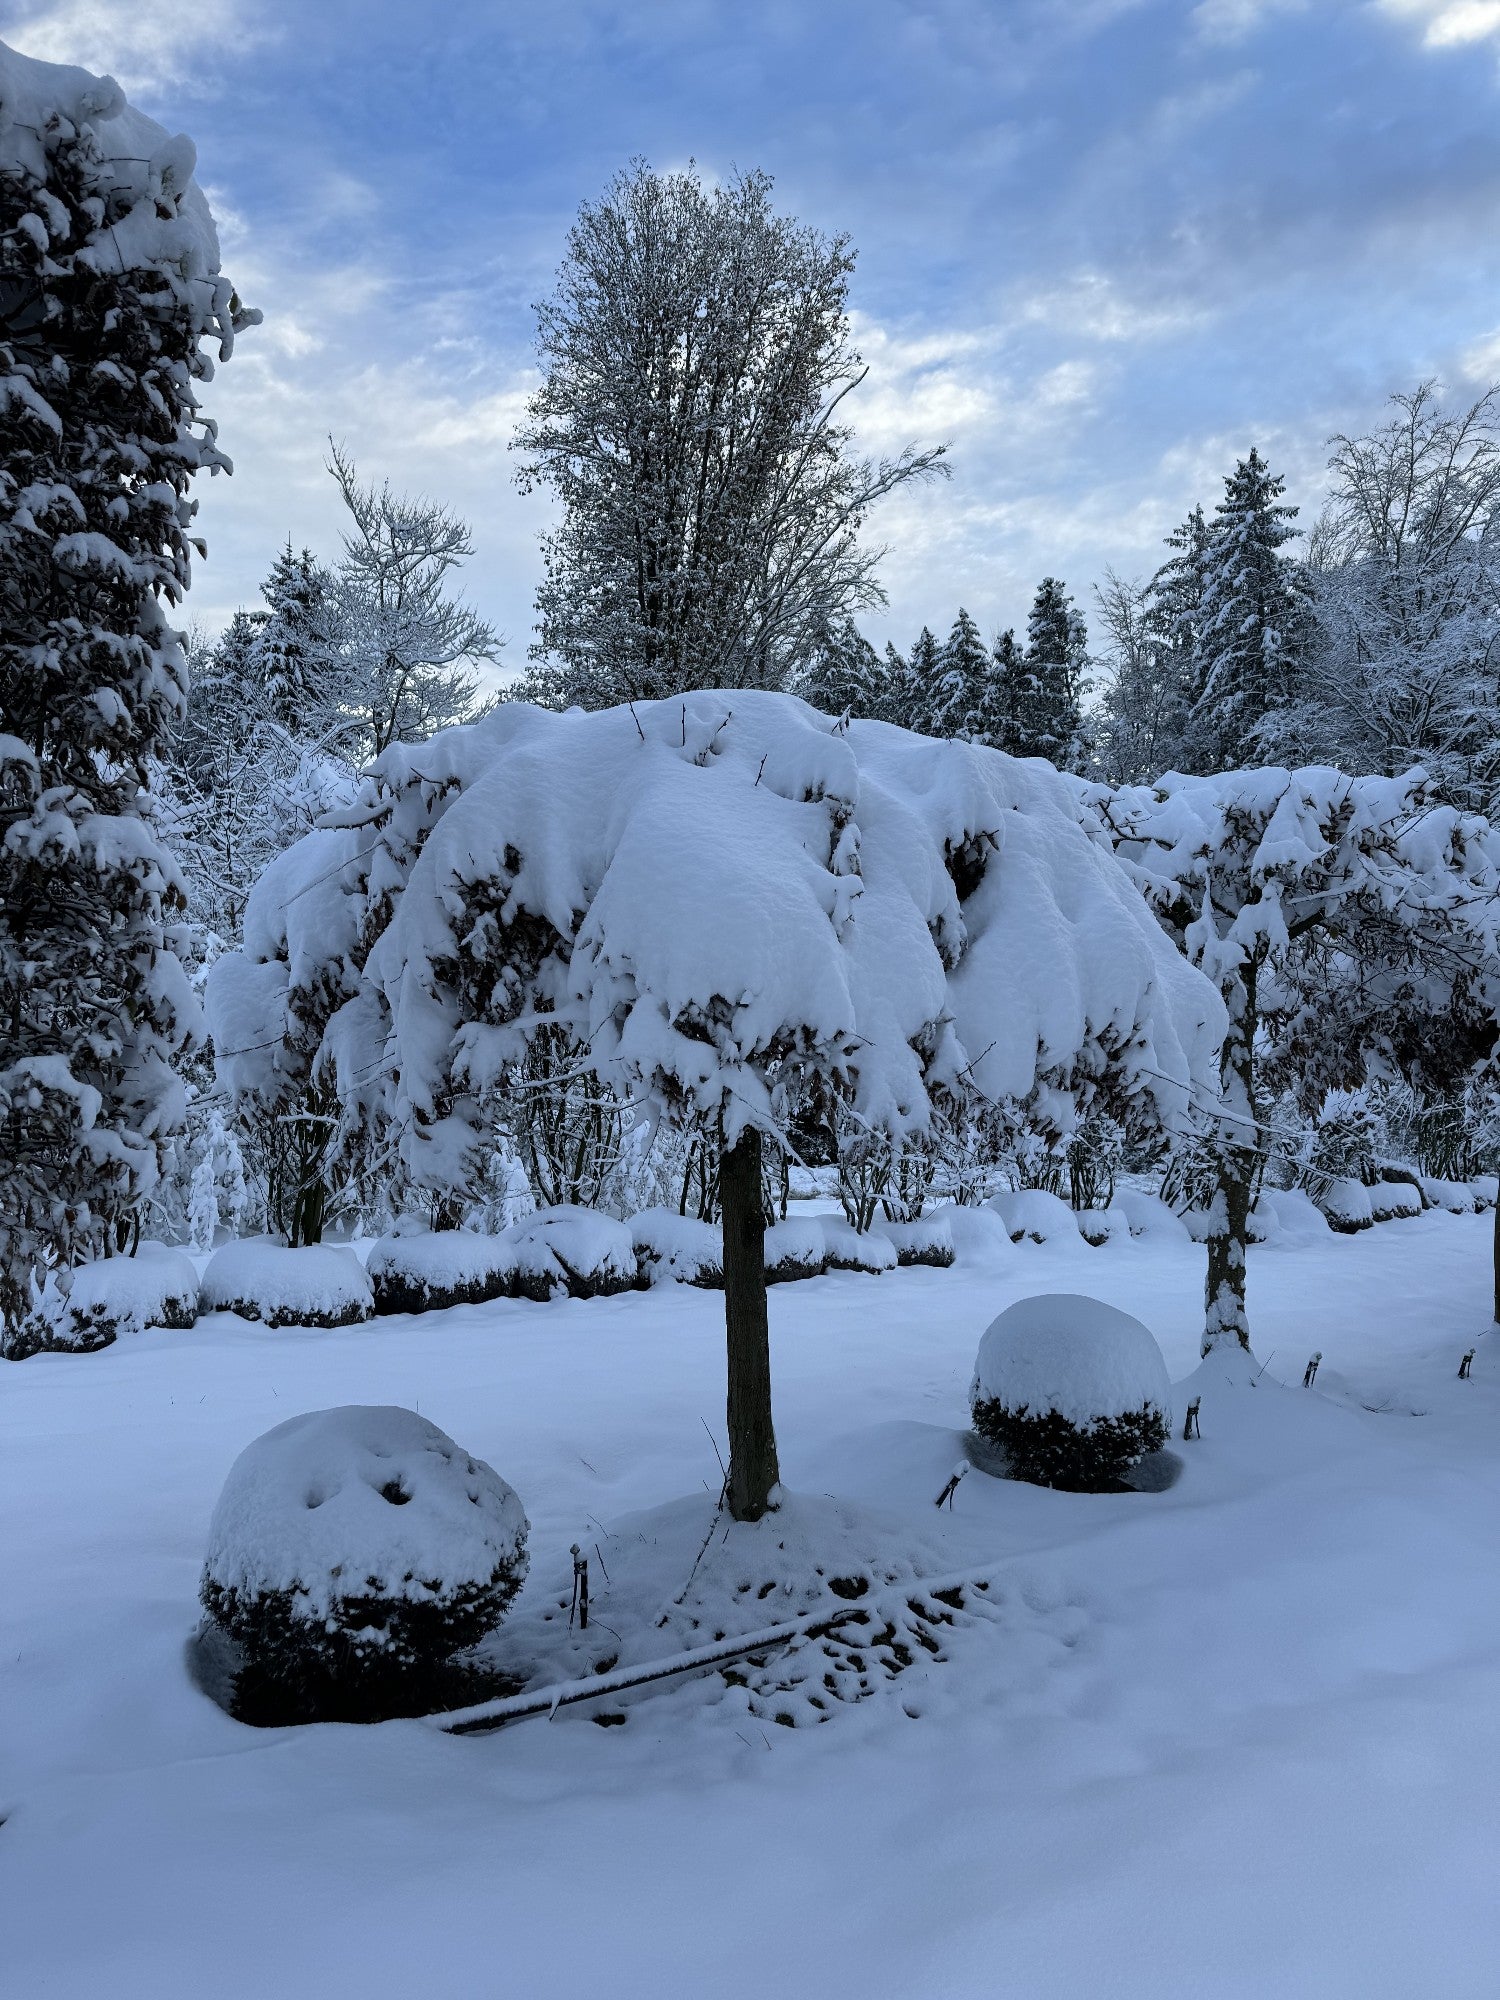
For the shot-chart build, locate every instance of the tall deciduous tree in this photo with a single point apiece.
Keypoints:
(697, 361)
(110, 282)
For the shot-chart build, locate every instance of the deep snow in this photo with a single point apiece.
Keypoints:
(1237, 1738)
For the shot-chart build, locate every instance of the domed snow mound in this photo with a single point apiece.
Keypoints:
(354, 1550)
(316, 1285)
(1075, 1391)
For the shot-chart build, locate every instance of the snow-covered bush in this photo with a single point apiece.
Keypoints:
(352, 1551)
(1075, 1391)
(316, 1285)
(926, 1241)
(1098, 1226)
(155, 1287)
(1147, 1215)
(1347, 1205)
(442, 1267)
(678, 1248)
(1035, 1214)
(795, 1249)
(572, 1251)
(847, 1249)
(1391, 1199)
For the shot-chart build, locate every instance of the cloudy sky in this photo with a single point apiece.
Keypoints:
(1104, 245)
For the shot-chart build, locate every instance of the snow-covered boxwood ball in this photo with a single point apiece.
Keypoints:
(572, 1252)
(352, 1552)
(317, 1285)
(1075, 1391)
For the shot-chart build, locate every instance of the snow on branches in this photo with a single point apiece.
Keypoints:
(1327, 910)
(110, 280)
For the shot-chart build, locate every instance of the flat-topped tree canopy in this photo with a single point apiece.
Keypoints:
(721, 894)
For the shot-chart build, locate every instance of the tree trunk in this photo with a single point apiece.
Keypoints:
(1235, 1158)
(752, 1439)
(1497, 1256)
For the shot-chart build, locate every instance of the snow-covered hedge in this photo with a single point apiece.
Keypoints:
(1454, 1197)
(1098, 1226)
(845, 1249)
(1347, 1206)
(1391, 1199)
(156, 1287)
(317, 1285)
(673, 1248)
(1075, 1391)
(1148, 1216)
(796, 1248)
(1033, 1213)
(572, 1251)
(928, 1240)
(447, 1267)
(355, 1549)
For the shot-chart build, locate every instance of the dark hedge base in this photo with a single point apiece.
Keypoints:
(789, 1269)
(80, 1333)
(384, 1655)
(396, 1292)
(938, 1255)
(352, 1314)
(1050, 1451)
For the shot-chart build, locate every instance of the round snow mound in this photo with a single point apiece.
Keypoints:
(1075, 1391)
(360, 1547)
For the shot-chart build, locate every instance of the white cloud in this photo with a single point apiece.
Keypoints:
(1231, 21)
(146, 45)
(1448, 24)
(1090, 303)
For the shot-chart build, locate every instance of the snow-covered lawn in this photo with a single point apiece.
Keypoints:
(1238, 1738)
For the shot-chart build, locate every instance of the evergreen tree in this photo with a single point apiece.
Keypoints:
(1056, 655)
(295, 649)
(917, 699)
(111, 283)
(964, 668)
(1008, 689)
(845, 674)
(1251, 619)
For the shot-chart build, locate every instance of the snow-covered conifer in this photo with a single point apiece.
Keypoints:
(110, 265)
(1251, 619)
(1056, 656)
(295, 649)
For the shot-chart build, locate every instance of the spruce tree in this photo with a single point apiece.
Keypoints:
(963, 677)
(1056, 654)
(1251, 618)
(110, 276)
(916, 690)
(295, 651)
(845, 674)
(1009, 687)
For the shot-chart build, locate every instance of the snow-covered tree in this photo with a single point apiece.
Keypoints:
(1251, 618)
(1143, 707)
(1405, 663)
(109, 274)
(723, 905)
(295, 649)
(410, 649)
(965, 670)
(1251, 871)
(696, 358)
(1051, 725)
(845, 674)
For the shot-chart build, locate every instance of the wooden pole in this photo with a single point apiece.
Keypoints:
(753, 1470)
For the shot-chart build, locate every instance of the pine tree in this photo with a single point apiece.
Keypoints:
(295, 651)
(845, 674)
(110, 271)
(1251, 619)
(917, 702)
(1056, 655)
(1010, 685)
(963, 677)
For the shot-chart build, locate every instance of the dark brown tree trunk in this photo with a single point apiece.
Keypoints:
(1497, 1257)
(753, 1470)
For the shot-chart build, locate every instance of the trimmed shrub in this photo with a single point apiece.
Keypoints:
(571, 1251)
(1074, 1391)
(795, 1249)
(448, 1267)
(1034, 1213)
(316, 1285)
(352, 1552)
(155, 1287)
(672, 1248)
(928, 1240)
(845, 1249)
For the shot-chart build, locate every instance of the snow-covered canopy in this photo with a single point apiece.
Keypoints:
(719, 895)
(139, 163)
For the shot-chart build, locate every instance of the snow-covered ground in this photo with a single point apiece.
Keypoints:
(1241, 1737)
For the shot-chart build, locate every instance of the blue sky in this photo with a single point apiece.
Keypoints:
(1104, 245)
